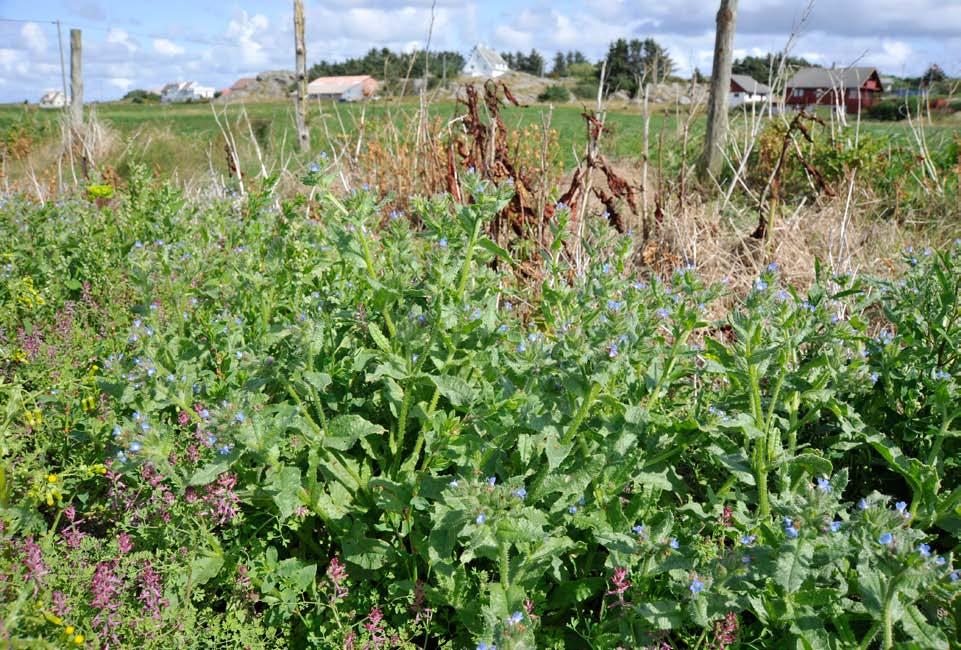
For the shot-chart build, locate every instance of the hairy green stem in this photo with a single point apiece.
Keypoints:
(581, 413)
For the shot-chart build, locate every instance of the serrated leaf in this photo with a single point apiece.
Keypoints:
(919, 629)
(379, 339)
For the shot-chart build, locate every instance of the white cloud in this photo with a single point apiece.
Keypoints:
(117, 36)
(121, 83)
(249, 31)
(167, 48)
(34, 38)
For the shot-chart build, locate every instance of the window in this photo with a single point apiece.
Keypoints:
(798, 92)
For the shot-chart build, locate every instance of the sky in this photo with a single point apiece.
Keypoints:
(144, 44)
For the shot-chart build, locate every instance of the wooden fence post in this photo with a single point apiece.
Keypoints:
(303, 134)
(712, 157)
(76, 78)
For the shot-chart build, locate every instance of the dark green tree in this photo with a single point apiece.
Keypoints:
(559, 69)
(762, 68)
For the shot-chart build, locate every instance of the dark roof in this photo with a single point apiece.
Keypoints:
(831, 77)
(749, 85)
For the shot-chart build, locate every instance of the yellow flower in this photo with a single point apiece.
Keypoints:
(51, 478)
(70, 629)
(78, 639)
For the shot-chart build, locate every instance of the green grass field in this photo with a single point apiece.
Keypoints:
(185, 138)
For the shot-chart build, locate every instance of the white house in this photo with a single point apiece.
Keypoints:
(485, 62)
(53, 99)
(349, 88)
(745, 90)
(185, 91)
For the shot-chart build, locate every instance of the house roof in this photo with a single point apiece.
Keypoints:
(490, 57)
(336, 85)
(749, 85)
(831, 77)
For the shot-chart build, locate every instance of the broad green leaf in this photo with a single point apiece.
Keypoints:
(286, 487)
(344, 430)
(793, 564)
(205, 568)
(457, 391)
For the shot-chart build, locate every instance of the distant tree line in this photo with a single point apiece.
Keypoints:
(761, 68)
(389, 65)
(532, 63)
(630, 64)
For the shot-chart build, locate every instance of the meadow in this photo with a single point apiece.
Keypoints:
(307, 408)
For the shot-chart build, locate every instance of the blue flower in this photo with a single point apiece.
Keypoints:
(873, 377)
(453, 483)
(226, 449)
(606, 269)
(747, 540)
(117, 431)
(885, 539)
(135, 447)
(674, 543)
(212, 439)
(615, 305)
(901, 507)
(144, 426)
(942, 375)
(924, 550)
(863, 504)
(638, 529)
(481, 518)
(940, 561)
(824, 485)
(954, 576)
(789, 528)
(521, 348)
(572, 510)
(515, 618)
(835, 526)
(663, 313)
(491, 480)
(443, 242)
(612, 350)
(239, 418)
(520, 493)
(772, 267)
(314, 168)
(760, 285)
(696, 586)
(483, 646)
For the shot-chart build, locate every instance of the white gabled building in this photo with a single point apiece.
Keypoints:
(485, 62)
(53, 99)
(185, 91)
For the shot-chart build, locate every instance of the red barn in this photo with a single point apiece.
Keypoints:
(855, 88)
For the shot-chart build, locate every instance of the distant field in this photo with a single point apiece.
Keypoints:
(184, 137)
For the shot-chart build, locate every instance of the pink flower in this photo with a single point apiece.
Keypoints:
(221, 500)
(59, 604)
(619, 584)
(151, 589)
(124, 543)
(105, 588)
(725, 631)
(33, 563)
(337, 573)
(183, 418)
